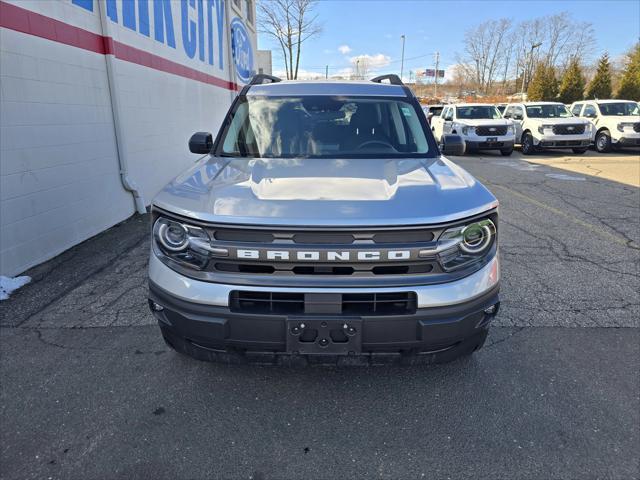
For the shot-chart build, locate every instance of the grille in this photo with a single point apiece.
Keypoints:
(320, 237)
(321, 242)
(355, 269)
(486, 130)
(576, 129)
(347, 304)
(636, 127)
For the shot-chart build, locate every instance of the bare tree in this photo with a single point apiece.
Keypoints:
(290, 23)
(497, 50)
(567, 39)
(486, 51)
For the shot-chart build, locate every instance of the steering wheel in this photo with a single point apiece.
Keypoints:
(374, 142)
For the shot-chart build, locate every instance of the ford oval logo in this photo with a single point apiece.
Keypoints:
(569, 128)
(492, 129)
(241, 50)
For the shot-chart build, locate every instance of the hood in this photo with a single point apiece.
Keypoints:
(325, 192)
(620, 118)
(484, 121)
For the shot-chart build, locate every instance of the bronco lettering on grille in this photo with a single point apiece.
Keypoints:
(323, 256)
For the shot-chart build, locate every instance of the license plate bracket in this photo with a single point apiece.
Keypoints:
(324, 336)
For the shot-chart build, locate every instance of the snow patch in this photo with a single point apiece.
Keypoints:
(8, 285)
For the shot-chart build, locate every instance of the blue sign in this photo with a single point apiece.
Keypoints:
(241, 50)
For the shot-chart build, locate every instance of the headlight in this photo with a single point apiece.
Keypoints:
(462, 245)
(541, 128)
(465, 130)
(173, 236)
(510, 129)
(621, 126)
(184, 243)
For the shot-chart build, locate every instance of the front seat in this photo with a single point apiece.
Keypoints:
(365, 125)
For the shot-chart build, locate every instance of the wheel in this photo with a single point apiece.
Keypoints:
(603, 141)
(505, 152)
(579, 151)
(528, 148)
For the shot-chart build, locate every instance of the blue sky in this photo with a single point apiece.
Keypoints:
(369, 27)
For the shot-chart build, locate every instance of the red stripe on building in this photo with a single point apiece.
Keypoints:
(31, 23)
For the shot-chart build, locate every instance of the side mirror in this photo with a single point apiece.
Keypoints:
(201, 142)
(452, 145)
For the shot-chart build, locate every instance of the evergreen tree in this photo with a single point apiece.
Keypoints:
(629, 88)
(572, 85)
(544, 85)
(600, 86)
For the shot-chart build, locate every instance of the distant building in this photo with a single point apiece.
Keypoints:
(263, 62)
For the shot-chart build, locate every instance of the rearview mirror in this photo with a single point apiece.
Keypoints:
(452, 145)
(201, 142)
(517, 116)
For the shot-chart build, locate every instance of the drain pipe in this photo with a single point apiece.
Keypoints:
(128, 184)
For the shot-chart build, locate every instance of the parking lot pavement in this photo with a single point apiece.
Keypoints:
(90, 391)
(623, 166)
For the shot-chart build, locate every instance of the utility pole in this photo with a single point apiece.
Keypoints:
(402, 60)
(527, 64)
(326, 72)
(435, 85)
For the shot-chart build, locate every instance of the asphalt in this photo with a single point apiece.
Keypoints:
(89, 390)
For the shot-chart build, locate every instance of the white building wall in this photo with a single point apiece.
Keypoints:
(59, 169)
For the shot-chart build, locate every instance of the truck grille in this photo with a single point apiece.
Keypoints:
(491, 130)
(574, 129)
(321, 243)
(276, 303)
(636, 127)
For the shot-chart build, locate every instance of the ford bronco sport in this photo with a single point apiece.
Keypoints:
(323, 224)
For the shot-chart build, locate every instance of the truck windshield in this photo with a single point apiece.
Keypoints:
(323, 127)
(548, 111)
(618, 108)
(477, 112)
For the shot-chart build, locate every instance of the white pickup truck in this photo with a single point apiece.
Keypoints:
(548, 125)
(480, 125)
(616, 122)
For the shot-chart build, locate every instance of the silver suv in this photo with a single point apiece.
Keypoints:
(324, 224)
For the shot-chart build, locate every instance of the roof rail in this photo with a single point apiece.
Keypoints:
(261, 78)
(392, 77)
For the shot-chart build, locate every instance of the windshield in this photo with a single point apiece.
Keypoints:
(478, 112)
(618, 109)
(323, 126)
(436, 111)
(548, 111)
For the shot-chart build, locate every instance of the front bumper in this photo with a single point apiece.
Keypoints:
(562, 141)
(627, 141)
(500, 143)
(195, 318)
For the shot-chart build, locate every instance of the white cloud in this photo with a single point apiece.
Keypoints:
(344, 49)
(302, 74)
(371, 62)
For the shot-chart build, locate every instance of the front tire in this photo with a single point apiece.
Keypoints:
(603, 141)
(579, 151)
(505, 152)
(528, 148)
